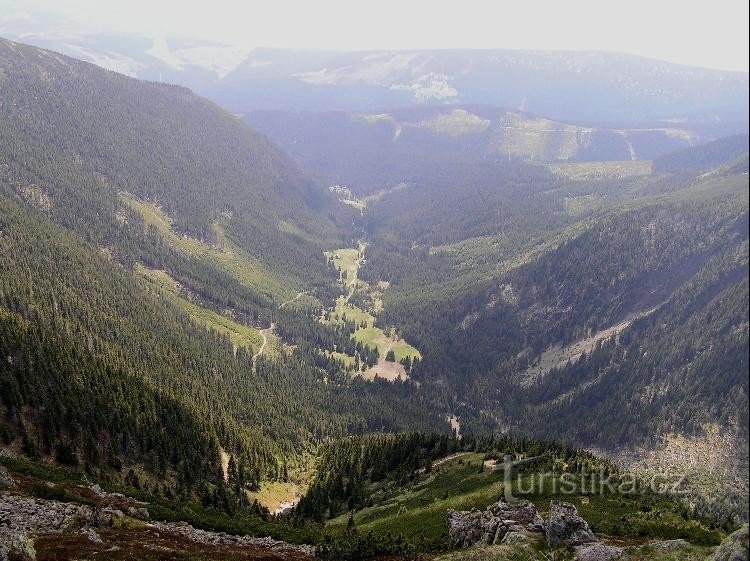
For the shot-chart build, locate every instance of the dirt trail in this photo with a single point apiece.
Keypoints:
(299, 295)
(263, 333)
(442, 461)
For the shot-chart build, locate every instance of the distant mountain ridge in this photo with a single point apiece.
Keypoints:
(616, 87)
(367, 151)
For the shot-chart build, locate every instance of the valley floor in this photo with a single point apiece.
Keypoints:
(347, 262)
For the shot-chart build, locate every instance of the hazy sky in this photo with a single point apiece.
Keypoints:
(699, 32)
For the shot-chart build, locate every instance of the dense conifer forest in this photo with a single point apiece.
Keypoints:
(187, 316)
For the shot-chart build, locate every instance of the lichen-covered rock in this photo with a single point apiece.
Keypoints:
(566, 527)
(23, 517)
(668, 545)
(90, 534)
(16, 543)
(521, 513)
(138, 512)
(471, 527)
(491, 526)
(734, 547)
(597, 552)
(516, 538)
(106, 516)
(185, 530)
(6, 480)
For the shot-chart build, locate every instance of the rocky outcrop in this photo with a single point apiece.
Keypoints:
(6, 481)
(516, 538)
(139, 513)
(566, 527)
(90, 534)
(668, 545)
(597, 552)
(221, 539)
(492, 525)
(22, 518)
(734, 547)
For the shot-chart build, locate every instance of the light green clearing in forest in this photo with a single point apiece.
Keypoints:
(240, 335)
(347, 261)
(223, 253)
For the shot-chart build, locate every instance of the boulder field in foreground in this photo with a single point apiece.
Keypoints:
(23, 519)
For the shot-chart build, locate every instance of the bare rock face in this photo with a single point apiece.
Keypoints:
(734, 547)
(491, 526)
(566, 527)
(597, 552)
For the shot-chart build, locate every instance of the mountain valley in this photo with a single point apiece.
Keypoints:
(348, 298)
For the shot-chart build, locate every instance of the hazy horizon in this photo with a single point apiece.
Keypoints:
(702, 35)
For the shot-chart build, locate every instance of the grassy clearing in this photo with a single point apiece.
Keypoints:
(419, 508)
(273, 494)
(347, 312)
(375, 337)
(346, 261)
(349, 361)
(240, 335)
(402, 349)
(223, 254)
(584, 171)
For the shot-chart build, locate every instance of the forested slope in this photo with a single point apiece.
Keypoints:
(514, 314)
(105, 371)
(367, 152)
(103, 177)
(81, 135)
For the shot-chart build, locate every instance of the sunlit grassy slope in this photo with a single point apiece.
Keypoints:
(240, 335)
(223, 253)
(419, 508)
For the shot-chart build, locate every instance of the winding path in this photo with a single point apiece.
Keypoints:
(268, 330)
(265, 341)
(299, 295)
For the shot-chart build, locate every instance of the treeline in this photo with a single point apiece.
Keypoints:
(348, 468)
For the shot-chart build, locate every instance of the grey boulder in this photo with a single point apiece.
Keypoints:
(734, 547)
(491, 526)
(596, 552)
(566, 527)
